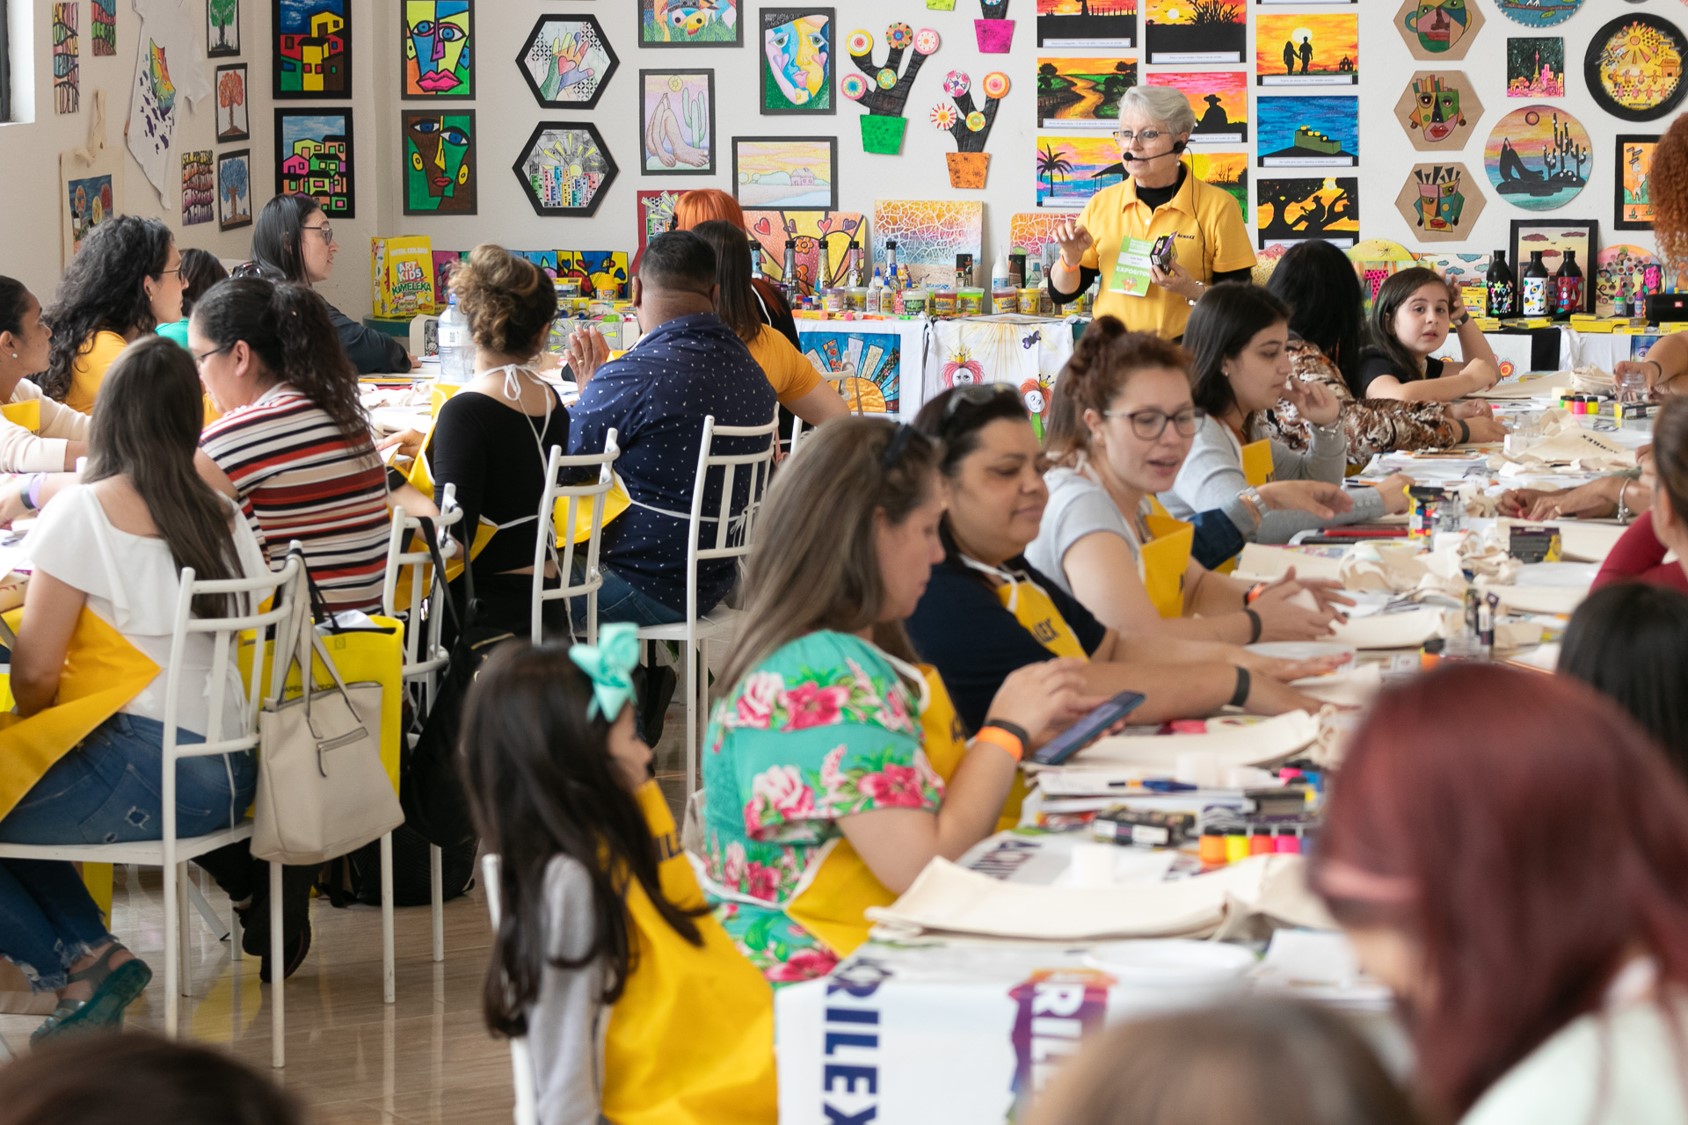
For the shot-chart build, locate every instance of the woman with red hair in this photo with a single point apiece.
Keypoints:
(707, 204)
(1519, 879)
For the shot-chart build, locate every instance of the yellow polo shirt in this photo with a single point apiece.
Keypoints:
(1209, 237)
(88, 370)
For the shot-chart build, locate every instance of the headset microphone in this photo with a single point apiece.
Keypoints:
(1178, 147)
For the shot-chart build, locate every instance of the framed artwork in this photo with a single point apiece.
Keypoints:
(1440, 202)
(1538, 157)
(797, 51)
(1219, 99)
(677, 122)
(1083, 93)
(234, 189)
(1634, 67)
(565, 168)
(199, 187)
(786, 173)
(1087, 23)
(1317, 131)
(222, 28)
(567, 61)
(1554, 236)
(315, 157)
(1297, 210)
(1535, 67)
(1070, 169)
(233, 120)
(311, 56)
(691, 23)
(102, 18)
(1439, 109)
(823, 244)
(1631, 183)
(67, 83)
(1307, 50)
(1437, 30)
(441, 175)
(439, 49)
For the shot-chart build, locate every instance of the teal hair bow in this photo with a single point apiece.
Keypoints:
(610, 663)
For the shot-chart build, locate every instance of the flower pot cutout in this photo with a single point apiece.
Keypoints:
(883, 135)
(995, 37)
(967, 169)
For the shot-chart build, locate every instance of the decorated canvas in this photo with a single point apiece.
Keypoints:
(883, 90)
(1439, 110)
(1317, 49)
(1635, 199)
(441, 175)
(596, 270)
(1030, 231)
(1219, 99)
(1440, 202)
(102, 18)
(1319, 131)
(1070, 169)
(1438, 30)
(1459, 269)
(967, 114)
(88, 203)
(1195, 31)
(677, 122)
(1087, 23)
(169, 74)
(1553, 237)
(1227, 171)
(929, 233)
(67, 80)
(233, 120)
(312, 56)
(1295, 210)
(690, 23)
(1618, 270)
(1082, 93)
(1535, 67)
(823, 244)
(439, 49)
(1634, 67)
(234, 189)
(1539, 13)
(775, 173)
(873, 361)
(566, 61)
(656, 214)
(315, 157)
(1028, 357)
(797, 60)
(222, 28)
(1538, 157)
(199, 187)
(565, 168)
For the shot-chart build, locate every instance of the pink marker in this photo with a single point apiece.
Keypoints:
(1287, 843)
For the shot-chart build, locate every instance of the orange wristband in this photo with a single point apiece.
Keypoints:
(996, 736)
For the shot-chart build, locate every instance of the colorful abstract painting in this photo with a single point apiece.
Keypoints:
(1195, 31)
(1538, 157)
(777, 173)
(1030, 231)
(1313, 49)
(1616, 272)
(103, 29)
(595, 270)
(439, 49)
(565, 168)
(690, 23)
(222, 29)
(1459, 269)
(314, 157)
(441, 174)
(1299, 209)
(1535, 67)
(1634, 191)
(1441, 202)
(929, 233)
(823, 244)
(677, 122)
(797, 52)
(1438, 30)
(234, 122)
(234, 189)
(1082, 93)
(1087, 23)
(1314, 131)
(88, 203)
(1538, 13)
(199, 188)
(656, 214)
(67, 79)
(1439, 110)
(567, 61)
(1071, 168)
(312, 56)
(873, 361)
(1227, 171)
(444, 262)
(1219, 99)
(1633, 67)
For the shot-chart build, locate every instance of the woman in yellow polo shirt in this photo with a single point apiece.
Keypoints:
(1160, 196)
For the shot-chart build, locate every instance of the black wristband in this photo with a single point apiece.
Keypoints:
(1253, 625)
(1014, 729)
(1244, 683)
(1464, 431)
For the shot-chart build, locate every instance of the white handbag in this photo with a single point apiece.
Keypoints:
(322, 790)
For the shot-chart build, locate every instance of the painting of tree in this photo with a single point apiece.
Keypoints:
(222, 28)
(1051, 164)
(231, 100)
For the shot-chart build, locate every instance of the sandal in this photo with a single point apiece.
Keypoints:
(114, 991)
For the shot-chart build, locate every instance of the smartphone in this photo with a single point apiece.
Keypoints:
(1161, 255)
(1087, 729)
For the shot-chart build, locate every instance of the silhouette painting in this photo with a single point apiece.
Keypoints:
(1307, 50)
(1309, 132)
(1087, 23)
(1538, 157)
(1219, 100)
(1296, 210)
(1195, 31)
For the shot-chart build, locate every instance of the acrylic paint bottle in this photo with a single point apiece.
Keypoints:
(1500, 288)
(1535, 287)
(1568, 288)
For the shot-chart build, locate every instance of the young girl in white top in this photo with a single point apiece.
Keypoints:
(116, 544)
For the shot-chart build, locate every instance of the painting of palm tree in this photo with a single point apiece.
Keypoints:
(1051, 164)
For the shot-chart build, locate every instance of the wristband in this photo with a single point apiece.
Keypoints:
(1244, 683)
(1464, 431)
(1254, 593)
(1006, 740)
(31, 494)
(1253, 625)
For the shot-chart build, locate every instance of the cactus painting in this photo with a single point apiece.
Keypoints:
(883, 90)
(969, 125)
(677, 122)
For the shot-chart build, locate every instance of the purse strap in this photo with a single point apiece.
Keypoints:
(460, 618)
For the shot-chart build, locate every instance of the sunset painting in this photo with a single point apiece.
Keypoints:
(1307, 50)
(1195, 31)
(1219, 99)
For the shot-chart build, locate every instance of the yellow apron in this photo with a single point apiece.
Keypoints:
(945, 741)
(26, 414)
(1166, 559)
(691, 1041)
(1257, 462)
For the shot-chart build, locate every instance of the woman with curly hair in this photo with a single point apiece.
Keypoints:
(124, 282)
(1666, 362)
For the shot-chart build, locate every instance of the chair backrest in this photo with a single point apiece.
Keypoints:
(575, 500)
(419, 602)
(840, 381)
(521, 1061)
(730, 534)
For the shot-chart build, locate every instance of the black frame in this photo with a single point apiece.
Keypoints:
(763, 17)
(1591, 68)
(246, 84)
(1622, 139)
(473, 157)
(232, 52)
(275, 60)
(474, 67)
(714, 135)
(230, 155)
(740, 8)
(1519, 260)
(832, 184)
(6, 60)
(603, 81)
(527, 189)
(281, 115)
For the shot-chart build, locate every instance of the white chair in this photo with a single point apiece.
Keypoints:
(545, 548)
(730, 540)
(521, 1060)
(840, 381)
(171, 853)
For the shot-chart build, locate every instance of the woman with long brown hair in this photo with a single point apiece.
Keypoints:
(1644, 551)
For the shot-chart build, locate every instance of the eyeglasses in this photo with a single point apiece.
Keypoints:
(326, 230)
(1147, 136)
(1151, 424)
(975, 394)
(177, 271)
(199, 360)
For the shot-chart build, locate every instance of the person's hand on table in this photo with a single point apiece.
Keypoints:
(1595, 500)
(1075, 242)
(1313, 401)
(1518, 503)
(1285, 616)
(1482, 374)
(1466, 409)
(1649, 369)
(1177, 280)
(1394, 489)
(1317, 497)
(1044, 698)
(1288, 671)
(1268, 696)
(587, 351)
(11, 499)
(408, 443)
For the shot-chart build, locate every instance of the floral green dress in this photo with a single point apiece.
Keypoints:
(822, 729)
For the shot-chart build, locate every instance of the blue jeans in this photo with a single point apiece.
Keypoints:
(107, 790)
(620, 600)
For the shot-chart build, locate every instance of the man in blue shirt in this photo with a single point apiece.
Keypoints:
(687, 366)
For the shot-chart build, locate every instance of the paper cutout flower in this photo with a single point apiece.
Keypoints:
(995, 84)
(943, 116)
(853, 86)
(899, 36)
(859, 43)
(926, 41)
(956, 83)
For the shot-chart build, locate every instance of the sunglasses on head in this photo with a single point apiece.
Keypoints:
(975, 394)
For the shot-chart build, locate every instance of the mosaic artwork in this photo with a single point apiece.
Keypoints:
(1071, 169)
(1030, 231)
(690, 23)
(1535, 67)
(67, 81)
(797, 53)
(199, 188)
(1633, 67)
(1295, 210)
(677, 122)
(564, 168)
(1082, 93)
(775, 173)
(103, 27)
(929, 233)
(1219, 99)
(823, 244)
(1538, 157)
(1318, 131)
(1195, 31)
(439, 49)
(567, 62)
(1087, 23)
(873, 361)
(1227, 171)
(1634, 193)
(1321, 49)
(441, 176)
(1618, 271)
(656, 214)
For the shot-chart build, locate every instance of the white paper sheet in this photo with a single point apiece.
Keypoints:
(1259, 563)
(1390, 630)
(1254, 744)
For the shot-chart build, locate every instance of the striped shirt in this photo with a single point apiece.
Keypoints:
(298, 477)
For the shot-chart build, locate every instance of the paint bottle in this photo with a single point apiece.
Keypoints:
(1536, 282)
(876, 293)
(1288, 842)
(1568, 288)
(854, 279)
(1236, 845)
(794, 290)
(1212, 851)
(1500, 288)
(1260, 842)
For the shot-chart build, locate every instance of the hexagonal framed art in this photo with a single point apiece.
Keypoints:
(565, 168)
(1439, 110)
(567, 61)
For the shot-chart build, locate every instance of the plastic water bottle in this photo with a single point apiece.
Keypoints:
(457, 349)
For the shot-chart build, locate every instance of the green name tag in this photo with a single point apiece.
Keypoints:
(1132, 268)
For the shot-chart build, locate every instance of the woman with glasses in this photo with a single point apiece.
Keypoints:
(1240, 367)
(1160, 198)
(1120, 427)
(124, 282)
(293, 240)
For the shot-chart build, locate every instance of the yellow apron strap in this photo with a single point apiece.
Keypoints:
(1257, 462)
(945, 742)
(1166, 560)
(1034, 609)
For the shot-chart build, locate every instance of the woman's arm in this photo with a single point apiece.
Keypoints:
(1184, 691)
(566, 1023)
(1103, 576)
(1477, 375)
(212, 474)
(1473, 347)
(50, 608)
(1664, 367)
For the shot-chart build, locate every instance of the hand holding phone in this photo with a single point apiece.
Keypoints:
(1087, 729)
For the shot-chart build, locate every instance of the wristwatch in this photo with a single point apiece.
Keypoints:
(1251, 496)
(1463, 320)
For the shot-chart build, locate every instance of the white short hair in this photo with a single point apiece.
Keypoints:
(1161, 104)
